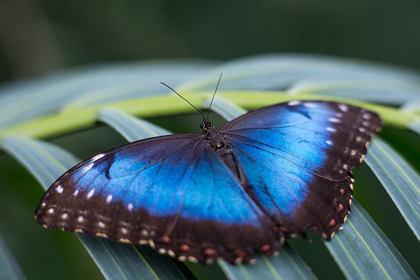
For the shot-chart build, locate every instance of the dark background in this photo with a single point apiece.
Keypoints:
(41, 36)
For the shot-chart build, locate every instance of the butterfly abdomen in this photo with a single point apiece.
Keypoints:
(230, 161)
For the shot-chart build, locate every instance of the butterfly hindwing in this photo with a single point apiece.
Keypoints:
(172, 192)
(298, 158)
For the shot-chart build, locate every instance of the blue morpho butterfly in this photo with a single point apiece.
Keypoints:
(263, 177)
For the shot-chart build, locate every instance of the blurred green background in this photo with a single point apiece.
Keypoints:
(41, 37)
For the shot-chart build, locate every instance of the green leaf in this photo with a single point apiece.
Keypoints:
(414, 126)
(130, 127)
(411, 106)
(228, 110)
(22, 101)
(312, 74)
(157, 106)
(399, 179)
(297, 75)
(143, 80)
(384, 92)
(363, 251)
(115, 260)
(286, 265)
(126, 261)
(9, 269)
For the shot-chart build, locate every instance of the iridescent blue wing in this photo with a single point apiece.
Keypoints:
(298, 157)
(172, 192)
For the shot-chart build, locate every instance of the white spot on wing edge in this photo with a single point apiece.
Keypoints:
(87, 168)
(51, 211)
(171, 253)
(80, 219)
(64, 216)
(334, 120)
(130, 207)
(329, 142)
(98, 157)
(343, 107)
(90, 194)
(310, 105)
(294, 103)
(59, 189)
(366, 116)
(109, 198)
(43, 204)
(76, 192)
(331, 129)
(101, 224)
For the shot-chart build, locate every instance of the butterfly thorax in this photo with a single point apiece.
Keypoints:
(215, 138)
(220, 145)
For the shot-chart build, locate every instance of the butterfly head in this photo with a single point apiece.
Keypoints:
(206, 124)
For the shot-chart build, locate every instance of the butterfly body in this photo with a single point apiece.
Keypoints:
(221, 147)
(227, 193)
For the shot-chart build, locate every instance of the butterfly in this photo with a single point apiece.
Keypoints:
(265, 176)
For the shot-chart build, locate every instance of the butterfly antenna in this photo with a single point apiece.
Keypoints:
(183, 98)
(214, 94)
